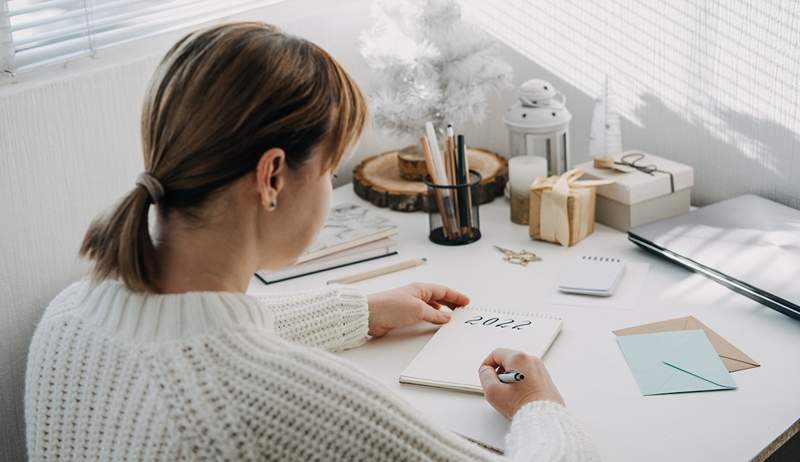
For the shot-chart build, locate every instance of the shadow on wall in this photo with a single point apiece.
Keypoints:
(760, 155)
(723, 169)
(687, 75)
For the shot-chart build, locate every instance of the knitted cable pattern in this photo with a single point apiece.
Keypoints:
(115, 375)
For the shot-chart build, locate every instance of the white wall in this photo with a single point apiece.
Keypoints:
(713, 84)
(69, 147)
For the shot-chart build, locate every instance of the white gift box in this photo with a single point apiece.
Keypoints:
(651, 188)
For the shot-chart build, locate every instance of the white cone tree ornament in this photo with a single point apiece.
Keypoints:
(431, 65)
(605, 138)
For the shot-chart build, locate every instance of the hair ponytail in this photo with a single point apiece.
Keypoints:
(220, 98)
(120, 243)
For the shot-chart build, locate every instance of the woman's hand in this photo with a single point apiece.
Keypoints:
(411, 304)
(508, 398)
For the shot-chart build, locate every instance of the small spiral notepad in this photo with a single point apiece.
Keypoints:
(451, 358)
(592, 275)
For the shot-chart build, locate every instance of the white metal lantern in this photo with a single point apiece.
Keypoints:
(538, 125)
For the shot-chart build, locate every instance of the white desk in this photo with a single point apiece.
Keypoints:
(585, 362)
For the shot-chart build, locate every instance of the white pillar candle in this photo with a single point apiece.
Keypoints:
(522, 170)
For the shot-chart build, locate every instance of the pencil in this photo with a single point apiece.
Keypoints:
(379, 271)
(438, 164)
(450, 155)
(450, 161)
(447, 226)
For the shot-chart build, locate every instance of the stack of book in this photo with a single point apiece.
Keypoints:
(352, 234)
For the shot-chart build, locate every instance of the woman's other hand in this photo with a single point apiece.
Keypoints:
(508, 398)
(411, 304)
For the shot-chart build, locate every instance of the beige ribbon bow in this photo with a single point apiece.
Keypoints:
(553, 217)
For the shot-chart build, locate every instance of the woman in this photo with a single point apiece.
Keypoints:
(163, 357)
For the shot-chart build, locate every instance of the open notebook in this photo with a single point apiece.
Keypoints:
(451, 357)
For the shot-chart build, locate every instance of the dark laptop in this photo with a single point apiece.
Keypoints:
(748, 243)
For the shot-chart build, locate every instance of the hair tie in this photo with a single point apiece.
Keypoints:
(152, 185)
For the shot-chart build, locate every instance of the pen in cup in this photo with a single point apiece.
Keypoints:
(464, 194)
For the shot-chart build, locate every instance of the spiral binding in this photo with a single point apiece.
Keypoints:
(511, 313)
(603, 259)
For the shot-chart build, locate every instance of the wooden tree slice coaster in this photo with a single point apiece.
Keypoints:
(377, 179)
(411, 163)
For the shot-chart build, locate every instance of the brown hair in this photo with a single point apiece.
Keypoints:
(220, 98)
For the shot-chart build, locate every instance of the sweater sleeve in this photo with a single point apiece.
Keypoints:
(332, 319)
(297, 403)
(544, 430)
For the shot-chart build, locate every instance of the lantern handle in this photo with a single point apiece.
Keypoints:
(559, 104)
(554, 102)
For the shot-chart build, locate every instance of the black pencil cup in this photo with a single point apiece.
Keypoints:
(453, 216)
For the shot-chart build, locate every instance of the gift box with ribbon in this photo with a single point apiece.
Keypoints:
(562, 208)
(646, 188)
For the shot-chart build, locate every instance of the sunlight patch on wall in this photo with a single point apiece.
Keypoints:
(708, 61)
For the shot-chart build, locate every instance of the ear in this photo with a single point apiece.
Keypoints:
(270, 177)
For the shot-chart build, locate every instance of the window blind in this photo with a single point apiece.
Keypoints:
(38, 32)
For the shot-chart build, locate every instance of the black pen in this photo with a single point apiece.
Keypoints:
(510, 377)
(463, 191)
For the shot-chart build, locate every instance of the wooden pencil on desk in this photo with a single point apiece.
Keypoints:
(379, 272)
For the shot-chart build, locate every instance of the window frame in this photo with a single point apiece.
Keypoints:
(118, 51)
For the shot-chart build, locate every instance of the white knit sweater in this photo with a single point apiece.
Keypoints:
(115, 375)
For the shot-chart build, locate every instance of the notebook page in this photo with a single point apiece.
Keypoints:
(453, 355)
(592, 273)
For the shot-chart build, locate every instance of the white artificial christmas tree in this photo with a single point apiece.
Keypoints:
(432, 65)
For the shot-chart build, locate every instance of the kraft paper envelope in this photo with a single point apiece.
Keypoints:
(674, 362)
(733, 358)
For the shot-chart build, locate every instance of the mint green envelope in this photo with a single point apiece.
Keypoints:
(674, 362)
